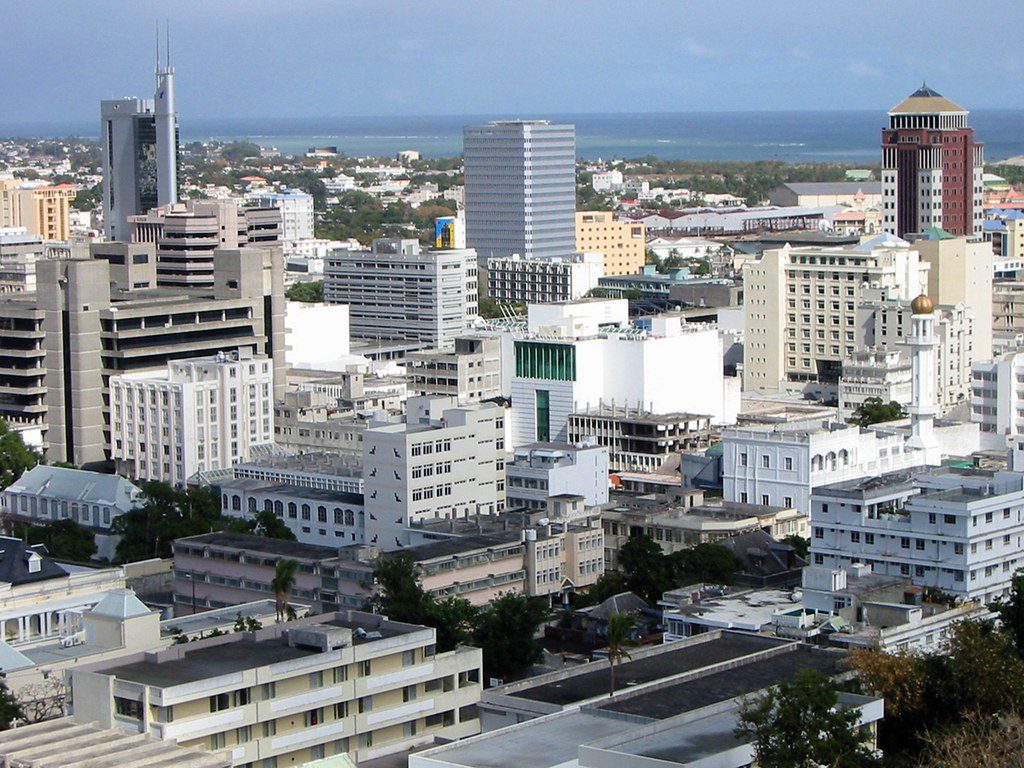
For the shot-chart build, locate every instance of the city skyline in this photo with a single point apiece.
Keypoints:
(330, 59)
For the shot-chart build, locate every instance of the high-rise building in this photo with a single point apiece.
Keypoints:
(931, 167)
(296, 209)
(140, 154)
(42, 210)
(520, 188)
(64, 342)
(622, 243)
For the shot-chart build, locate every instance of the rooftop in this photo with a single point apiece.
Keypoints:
(463, 544)
(672, 659)
(77, 484)
(297, 491)
(261, 544)
(872, 487)
(64, 741)
(925, 100)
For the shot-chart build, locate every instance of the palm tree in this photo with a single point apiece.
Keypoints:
(282, 583)
(619, 627)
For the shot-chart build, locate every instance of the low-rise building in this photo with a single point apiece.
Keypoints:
(868, 373)
(471, 372)
(338, 683)
(202, 414)
(956, 531)
(92, 499)
(540, 471)
(620, 243)
(637, 439)
(538, 280)
(997, 399)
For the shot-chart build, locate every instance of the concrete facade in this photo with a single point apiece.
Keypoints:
(471, 372)
(621, 243)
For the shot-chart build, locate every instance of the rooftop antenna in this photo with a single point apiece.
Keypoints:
(167, 23)
(158, 47)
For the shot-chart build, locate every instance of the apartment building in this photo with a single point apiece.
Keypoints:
(338, 683)
(997, 399)
(42, 210)
(200, 414)
(302, 423)
(444, 460)
(873, 373)
(296, 209)
(957, 531)
(1007, 308)
(636, 439)
(397, 292)
(63, 343)
(538, 472)
(19, 251)
(800, 308)
(187, 234)
(471, 372)
(585, 354)
(535, 280)
(621, 243)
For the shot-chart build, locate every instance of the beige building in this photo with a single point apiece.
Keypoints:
(961, 273)
(800, 308)
(338, 683)
(1007, 308)
(43, 211)
(622, 243)
(471, 372)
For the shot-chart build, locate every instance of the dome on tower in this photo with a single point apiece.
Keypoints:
(925, 101)
(922, 305)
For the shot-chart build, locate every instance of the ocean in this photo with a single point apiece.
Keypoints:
(847, 137)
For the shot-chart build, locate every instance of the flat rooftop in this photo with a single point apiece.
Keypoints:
(457, 546)
(262, 544)
(677, 658)
(241, 653)
(865, 488)
(298, 491)
(740, 680)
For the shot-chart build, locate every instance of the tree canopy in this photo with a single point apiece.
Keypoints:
(309, 293)
(797, 724)
(874, 411)
(15, 456)
(649, 572)
(64, 539)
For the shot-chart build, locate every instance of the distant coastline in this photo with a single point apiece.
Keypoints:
(844, 137)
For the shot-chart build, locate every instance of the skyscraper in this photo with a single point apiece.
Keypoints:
(520, 188)
(140, 153)
(931, 167)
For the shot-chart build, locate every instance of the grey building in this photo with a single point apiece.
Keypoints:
(60, 345)
(19, 251)
(45, 493)
(140, 155)
(520, 188)
(472, 372)
(398, 291)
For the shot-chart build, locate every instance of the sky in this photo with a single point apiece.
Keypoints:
(322, 58)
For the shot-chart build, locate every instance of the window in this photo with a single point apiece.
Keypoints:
(819, 533)
(365, 704)
(341, 710)
(244, 734)
(220, 701)
(958, 549)
(766, 462)
(919, 545)
(409, 693)
(743, 459)
(787, 501)
(543, 415)
(764, 500)
(340, 674)
(269, 691)
(408, 658)
(314, 717)
(788, 462)
(128, 708)
(869, 538)
(904, 543)
(241, 697)
(218, 741)
(316, 680)
(364, 668)
(855, 536)
(269, 728)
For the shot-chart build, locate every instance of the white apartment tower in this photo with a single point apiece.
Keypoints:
(200, 414)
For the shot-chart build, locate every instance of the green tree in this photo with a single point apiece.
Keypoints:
(644, 568)
(267, 523)
(454, 618)
(399, 594)
(799, 544)
(1011, 612)
(505, 631)
(164, 515)
(620, 625)
(710, 563)
(88, 199)
(307, 293)
(489, 309)
(237, 151)
(15, 456)
(64, 539)
(10, 709)
(247, 624)
(874, 411)
(282, 585)
(797, 724)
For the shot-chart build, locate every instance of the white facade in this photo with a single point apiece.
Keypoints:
(539, 471)
(396, 291)
(606, 181)
(684, 247)
(444, 461)
(962, 534)
(572, 364)
(869, 373)
(537, 280)
(997, 399)
(296, 211)
(315, 334)
(201, 414)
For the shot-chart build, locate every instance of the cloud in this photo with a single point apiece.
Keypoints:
(861, 68)
(700, 50)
